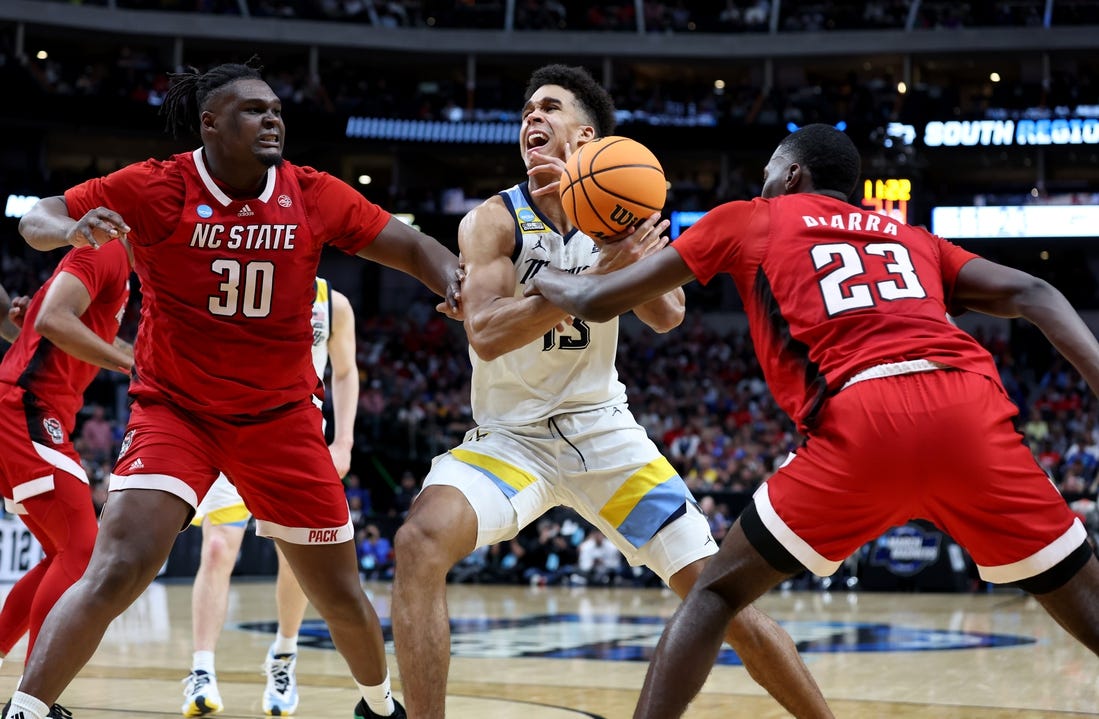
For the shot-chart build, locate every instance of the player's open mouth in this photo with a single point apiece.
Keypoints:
(536, 139)
(268, 140)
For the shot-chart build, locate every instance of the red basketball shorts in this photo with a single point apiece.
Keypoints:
(281, 466)
(935, 445)
(33, 443)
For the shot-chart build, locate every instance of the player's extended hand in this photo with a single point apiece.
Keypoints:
(639, 241)
(548, 165)
(97, 227)
(452, 305)
(18, 310)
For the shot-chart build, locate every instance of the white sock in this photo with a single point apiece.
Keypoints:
(379, 698)
(285, 645)
(30, 706)
(203, 661)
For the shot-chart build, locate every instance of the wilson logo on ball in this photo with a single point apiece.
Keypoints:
(611, 184)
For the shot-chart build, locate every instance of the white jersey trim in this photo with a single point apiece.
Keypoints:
(812, 560)
(61, 461)
(1040, 561)
(306, 535)
(163, 482)
(219, 195)
(33, 488)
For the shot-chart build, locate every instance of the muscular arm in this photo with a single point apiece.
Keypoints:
(345, 381)
(8, 330)
(1002, 291)
(48, 226)
(403, 248)
(496, 321)
(598, 298)
(58, 321)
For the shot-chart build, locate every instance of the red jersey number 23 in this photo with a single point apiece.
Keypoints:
(847, 287)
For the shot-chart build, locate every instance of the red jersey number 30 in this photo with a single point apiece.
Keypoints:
(245, 290)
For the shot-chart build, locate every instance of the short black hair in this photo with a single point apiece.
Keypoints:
(188, 92)
(593, 98)
(832, 159)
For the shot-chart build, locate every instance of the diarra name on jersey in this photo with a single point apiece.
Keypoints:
(853, 221)
(215, 236)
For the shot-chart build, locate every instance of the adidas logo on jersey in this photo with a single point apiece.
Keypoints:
(245, 211)
(136, 464)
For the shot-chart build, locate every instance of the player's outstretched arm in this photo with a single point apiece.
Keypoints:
(58, 321)
(47, 226)
(598, 298)
(404, 248)
(1001, 291)
(345, 381)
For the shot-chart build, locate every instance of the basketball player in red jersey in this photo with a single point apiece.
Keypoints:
(69, 333)
(226, 244)
(904, 413)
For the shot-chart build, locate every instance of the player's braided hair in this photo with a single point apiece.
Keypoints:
(832, 159)
(595, 101)
(188, 92)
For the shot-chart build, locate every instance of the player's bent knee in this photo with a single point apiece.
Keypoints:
(420, 545)
(1059, 574)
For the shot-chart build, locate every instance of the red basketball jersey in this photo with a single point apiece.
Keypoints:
(48, 375)
(227, 284)
(831, 290)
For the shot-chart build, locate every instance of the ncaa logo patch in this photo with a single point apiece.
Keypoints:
(54, 430)
(204, 211)
(528, 221)
(285, 201)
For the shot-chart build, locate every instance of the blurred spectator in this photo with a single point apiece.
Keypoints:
(598, 561)
(405, 493)
(96, 439)
(375, 553)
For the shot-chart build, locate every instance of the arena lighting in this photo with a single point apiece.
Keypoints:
(1022, 221)
(19, 205)
(841, 126)
(680, 220)
(377, 128)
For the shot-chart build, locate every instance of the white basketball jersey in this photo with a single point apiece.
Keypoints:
(561, 372)
(322, 325)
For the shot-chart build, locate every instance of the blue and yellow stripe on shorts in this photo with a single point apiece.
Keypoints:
(510, 479)
(645, 501)
(236, 515)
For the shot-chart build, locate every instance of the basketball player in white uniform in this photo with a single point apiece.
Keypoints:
(553, 423)
(223, 518)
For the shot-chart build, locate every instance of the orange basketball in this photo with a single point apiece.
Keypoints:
(611, 184)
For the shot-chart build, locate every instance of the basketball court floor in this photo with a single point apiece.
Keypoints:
(571, 653)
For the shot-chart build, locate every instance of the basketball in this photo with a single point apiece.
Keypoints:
(611, 184)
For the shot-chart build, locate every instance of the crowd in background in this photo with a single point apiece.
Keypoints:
(657, 16)
(864, 93)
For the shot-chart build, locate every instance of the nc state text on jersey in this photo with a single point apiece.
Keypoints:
(216, 236)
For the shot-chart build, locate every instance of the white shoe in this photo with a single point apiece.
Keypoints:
(280, 698)
(200, 694)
